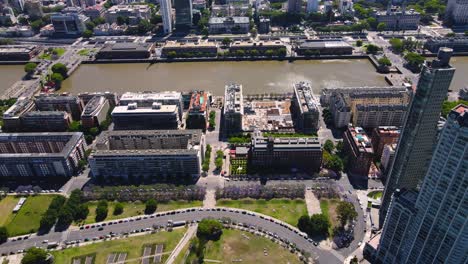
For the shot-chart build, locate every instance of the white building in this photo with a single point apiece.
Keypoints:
(166, 13)
(69, 23)
(134, 13)
(388, 154)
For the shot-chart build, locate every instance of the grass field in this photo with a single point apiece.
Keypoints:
(375, 194)
(235, 245)
(6, 207)
(137, 208)
(85, 52)
(286, 210)
(328, 207)
(27, 220)
(46, 55)
(133, 246)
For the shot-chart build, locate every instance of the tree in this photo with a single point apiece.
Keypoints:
(329, 146)
(144, 26)
(254, 32)
(226, 41)
(3, 234)
(87, 34)
(205, 32)
(414, 59)
(60, 68)
(345, 212)
(209, 229)
(122, 20)
(372, 49)
(90, 25)
(381, 26)
(359, 43)
(397, 44)
(82, 212)
(304, 224)
(30, 67)
(450, 35)
(101, 211)
(36, 25)
(35, 255)
(332, 161)
(372, 21)
(150, 206)
(118, 209)
(57, 78)
(319, 225)
(354, 260)
(384, 61)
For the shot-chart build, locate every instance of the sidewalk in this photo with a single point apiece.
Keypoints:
(312, 203)
(192, 230)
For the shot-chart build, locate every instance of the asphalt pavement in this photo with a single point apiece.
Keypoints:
(266, 223)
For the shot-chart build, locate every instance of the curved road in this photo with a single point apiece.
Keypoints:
(274, 226)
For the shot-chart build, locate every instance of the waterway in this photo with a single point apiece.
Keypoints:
(9, 74)
(256, 77)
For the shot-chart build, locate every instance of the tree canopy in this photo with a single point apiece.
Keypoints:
(209, 229)
(30, 67)
(346, 212)
(150, 206)
(3, 234)
(35, 255)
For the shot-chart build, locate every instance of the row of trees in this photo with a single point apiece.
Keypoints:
(281, 52)
(206, 161)
(239, 139)
(159, 192)
(50, 216)
(408, 45)
(257, 191)
(414, 61)
(333, 160)
(212, 120)
(174, 54)
(219, 159)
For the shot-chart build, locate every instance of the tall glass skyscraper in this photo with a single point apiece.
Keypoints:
(183, 10)
(166, 13)
(418, 136)
(432, 226)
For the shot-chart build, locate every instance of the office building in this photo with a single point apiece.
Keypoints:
(69, 23)
(294, 6)
(183, 14)
(95, 112)
(369, 95)
(33, 8)
(457, 12)
(305, 108)
(125, 50)
(286, 154)
(182, 49)
(156, 116)
(166, 13)
(233, 111)
(345, 6)
(12, 116)
(382, 136)
(146, 99)
(433, 228)
(54, 102)
(18, 53)
(134, 13)
(197, 116)
(152, 155)
(340, 111)
(398, 19)
(87, 97)
(264, 25)
(388, 154)
(45, 121)
(238, 10)
(458, 44)
(94, 11)
(418, 135)
(312, 6)
(324, 47)
(260, 46)
(229, 25)
(41, 154)
(358, 147)
(370, 116)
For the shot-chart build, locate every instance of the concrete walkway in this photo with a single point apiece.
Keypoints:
(312, 203)
(210, 199)
(192, 230)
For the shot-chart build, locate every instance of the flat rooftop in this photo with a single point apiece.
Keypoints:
(361, 140)
(124, 109)
(174, 44)
(150, 96)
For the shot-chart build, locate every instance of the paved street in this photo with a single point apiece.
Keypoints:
(282, 230)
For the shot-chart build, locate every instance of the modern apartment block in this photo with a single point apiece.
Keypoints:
(53, 102)
(45, 121)
(146, 99)
(134, 13)
(95, 112)
(41, 154)
(233, 108)
(12, 116)
(286, 154)
(197, 116)
(183, 14)
(382, 136)
(368, 107)
(229, 24)
(306, 110)
(458, 44)
(153, 155)
(357, 145)
(457, 12)
(135, 117)
(388, 155)
(294, 6)
(69, 23)
(434, 227)
(418, 135)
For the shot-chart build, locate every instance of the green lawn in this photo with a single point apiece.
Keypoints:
(133, 246)
(27, 220)
(85, 52)
(6, 207)
(375, 194)
(286, 210)
(328, 207)
(46, 55)
(235, 245)
(137, 208)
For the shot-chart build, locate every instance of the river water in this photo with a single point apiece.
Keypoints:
(256, 77)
